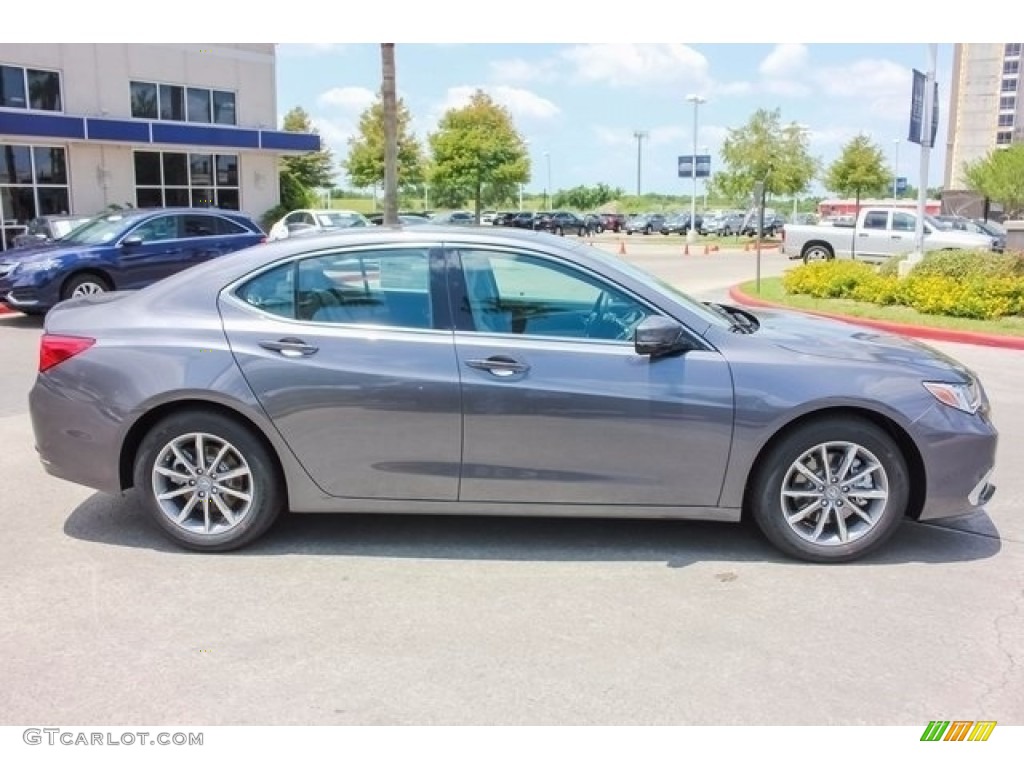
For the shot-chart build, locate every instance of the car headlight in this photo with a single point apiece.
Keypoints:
(963, 397)
(38, 265)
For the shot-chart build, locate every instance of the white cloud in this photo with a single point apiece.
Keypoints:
(613, 137)
(733, 88)
(670, 134)
(523, 104)
(349, 98)
(787, 88)
(521, 70)
(785, 59)
(334, 132)
(635, 64)
(884, 86)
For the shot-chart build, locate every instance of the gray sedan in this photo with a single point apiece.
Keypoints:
(502, 372)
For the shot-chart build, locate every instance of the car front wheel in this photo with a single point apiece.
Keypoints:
(84, 285)
(207, 481)
(831, 490)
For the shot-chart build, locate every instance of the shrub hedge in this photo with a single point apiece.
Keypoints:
(975, 284)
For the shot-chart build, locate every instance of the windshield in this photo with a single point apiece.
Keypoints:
(340, 220)
(62, 228)
(101, 230)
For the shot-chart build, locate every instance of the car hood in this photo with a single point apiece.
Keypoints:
(967, 239)
(814, 336)
(44, 251)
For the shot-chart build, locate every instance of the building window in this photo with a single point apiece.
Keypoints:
(1011, 67)
(1009, 85)
(22, 88)
(1006, 121)
(1007, 103)
(33, 182)
(1003, 138)
(195, 180)
(161, 101)
(1011, 49)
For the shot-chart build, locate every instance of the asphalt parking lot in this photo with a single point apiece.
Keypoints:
(445, 620)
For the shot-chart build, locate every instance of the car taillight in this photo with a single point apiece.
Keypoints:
(54, 350)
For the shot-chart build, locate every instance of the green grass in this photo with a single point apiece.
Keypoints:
(771, 290)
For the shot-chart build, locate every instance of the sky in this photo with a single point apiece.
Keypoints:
(591, 75)
(579, 105)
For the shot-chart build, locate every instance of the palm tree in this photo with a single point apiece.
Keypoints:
(390, 104)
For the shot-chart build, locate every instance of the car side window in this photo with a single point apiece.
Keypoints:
(522, 294)
(272, 291)
(374, 287)
(199, 226)
(228, 227)
(876, 220)
(155, 230)
(902, 222)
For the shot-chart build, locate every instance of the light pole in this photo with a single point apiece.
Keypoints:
(639, 136)
(691, 229)
(895, 168)
(704, 208)
(547, 189)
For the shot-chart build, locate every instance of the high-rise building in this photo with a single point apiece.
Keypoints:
(984, 104)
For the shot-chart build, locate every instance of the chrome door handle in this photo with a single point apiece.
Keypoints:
(499, 365)
(290, 347)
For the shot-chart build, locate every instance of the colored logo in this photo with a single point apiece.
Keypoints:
(958, 730)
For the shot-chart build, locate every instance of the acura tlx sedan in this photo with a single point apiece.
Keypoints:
(499, 372)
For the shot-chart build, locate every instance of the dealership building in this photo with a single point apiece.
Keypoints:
(87, 126)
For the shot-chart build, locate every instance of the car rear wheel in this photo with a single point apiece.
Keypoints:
(818, 252)
(831, 490)
(86, 284)
(207, 481)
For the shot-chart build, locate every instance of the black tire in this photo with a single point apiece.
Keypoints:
(84, 283)
(561, 232)
(265, 484)
(868, 522)
(599, 229)
(817, 252)
(647, 230)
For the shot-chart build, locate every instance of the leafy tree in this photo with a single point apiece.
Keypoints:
(312, 170)
(475, 146)
(585, 198)
(365, 161)
(999, 176)
(764, 150)
(859, 170)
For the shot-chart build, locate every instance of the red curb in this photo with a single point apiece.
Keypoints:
(916, 331)
(5, 310)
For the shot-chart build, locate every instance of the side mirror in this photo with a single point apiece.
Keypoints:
(658, 336)
(131, 242)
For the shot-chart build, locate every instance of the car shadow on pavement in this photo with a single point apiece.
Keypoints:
(18, 320)
(119, 521)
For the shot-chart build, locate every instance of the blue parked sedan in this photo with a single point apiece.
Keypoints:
(120, 251)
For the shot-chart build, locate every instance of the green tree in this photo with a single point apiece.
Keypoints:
(365, 161)
(313, 170)
(584, 198)
(475, 146)
(860, 170)
(764, 150)
(999, 176)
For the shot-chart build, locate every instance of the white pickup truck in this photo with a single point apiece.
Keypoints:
(877, 234)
